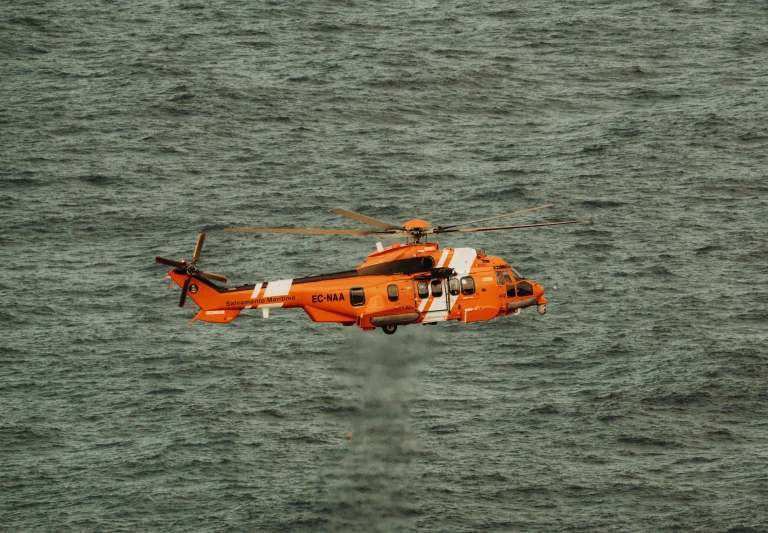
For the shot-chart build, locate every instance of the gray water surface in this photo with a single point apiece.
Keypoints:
(638, 403)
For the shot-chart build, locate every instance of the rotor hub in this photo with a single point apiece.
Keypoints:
(416, 224)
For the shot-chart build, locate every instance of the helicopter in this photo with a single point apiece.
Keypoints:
(415, 282)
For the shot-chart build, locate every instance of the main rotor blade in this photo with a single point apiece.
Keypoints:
(198, 247)
(215, 277)
(394, 235)
(183, 298)
(494, 218)
(364, 219)
(308, 231)
(472, 230)
(170, 262)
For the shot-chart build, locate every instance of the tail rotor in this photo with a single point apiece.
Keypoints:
(190, 269)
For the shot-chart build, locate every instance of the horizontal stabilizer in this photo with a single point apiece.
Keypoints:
(218, 316)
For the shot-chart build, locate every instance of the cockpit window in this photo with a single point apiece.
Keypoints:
(517, 275)
(499, 278)
(507, 279)
(524, 289)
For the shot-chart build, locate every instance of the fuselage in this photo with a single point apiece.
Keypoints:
(398, 285)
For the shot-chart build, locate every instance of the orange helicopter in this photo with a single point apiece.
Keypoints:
(411, 283)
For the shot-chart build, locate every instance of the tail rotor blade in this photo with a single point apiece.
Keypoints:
(184, 292)
(170, 262)
(198, 247)
(214, 277)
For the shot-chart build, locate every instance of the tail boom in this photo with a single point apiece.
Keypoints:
(222, 305)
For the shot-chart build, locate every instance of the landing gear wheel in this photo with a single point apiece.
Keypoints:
(389, 330)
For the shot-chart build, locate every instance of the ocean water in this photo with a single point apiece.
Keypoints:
(637, 403)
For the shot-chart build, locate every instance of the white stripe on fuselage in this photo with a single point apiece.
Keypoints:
(280, 287)
(256, 290)
(442, 259)
(461, 262)
(437, 311)
(436, 316)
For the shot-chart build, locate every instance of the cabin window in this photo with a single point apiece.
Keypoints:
(453, 286)
(467, 286)
(423, 289)
(392, 293)
(437, 288)
(357, 296)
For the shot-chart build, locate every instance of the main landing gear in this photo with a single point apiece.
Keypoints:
(389, 329)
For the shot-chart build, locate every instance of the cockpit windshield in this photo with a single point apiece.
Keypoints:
(517, 275)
